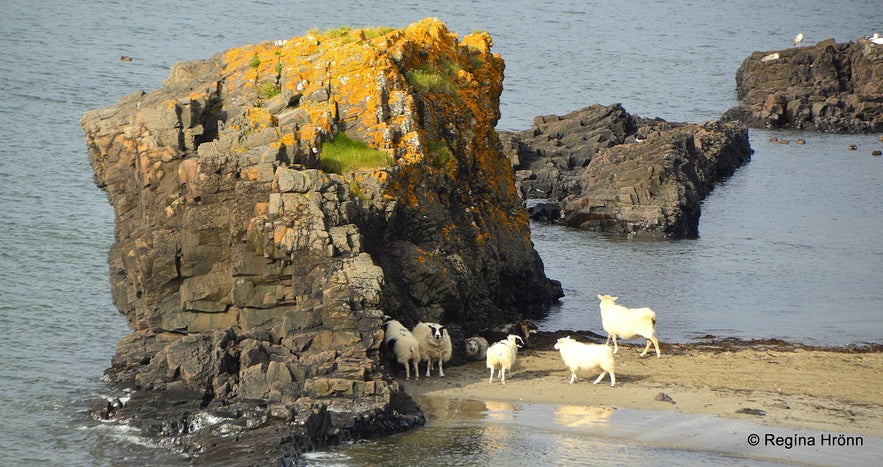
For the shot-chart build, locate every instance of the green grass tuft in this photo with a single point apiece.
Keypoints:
(376, 32)
(341, 31)
(269, 89)
(426, 80)
(343, 154)
(440, 154)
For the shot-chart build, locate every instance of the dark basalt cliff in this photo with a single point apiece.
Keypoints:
(828, 87)
(602, 169)
(255, 280)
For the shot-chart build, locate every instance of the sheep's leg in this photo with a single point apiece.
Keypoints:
(416, 369)
(441, 370)
(429, 368)
(612, 379)
(646, 348)
(573, 377)
(600, 377)
(615, 347)
(407, 371)
(503, 375)
(655, 345)
(491, 379)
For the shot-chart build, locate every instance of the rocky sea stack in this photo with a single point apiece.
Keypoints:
(829, 87)
(255, 260)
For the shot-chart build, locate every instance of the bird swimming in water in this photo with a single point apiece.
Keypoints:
(126, 58)
(798, 39)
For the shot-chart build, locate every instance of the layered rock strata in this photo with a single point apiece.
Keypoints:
(655, 187)
(255, 280)
(602, 169)
(827, 87)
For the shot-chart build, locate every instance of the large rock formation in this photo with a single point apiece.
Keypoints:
(827, 87)
(602, 169)
(255, 280)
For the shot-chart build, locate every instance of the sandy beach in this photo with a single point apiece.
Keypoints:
(768, 382)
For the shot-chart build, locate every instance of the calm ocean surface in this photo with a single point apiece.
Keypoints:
(789, 247)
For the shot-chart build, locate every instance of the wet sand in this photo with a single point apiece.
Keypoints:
(767, 382)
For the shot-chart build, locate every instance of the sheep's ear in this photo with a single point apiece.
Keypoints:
(600, 297)
(614, 298)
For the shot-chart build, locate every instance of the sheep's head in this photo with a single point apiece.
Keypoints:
(562, 341)
(473, 346)
(513, 338)
(438, 332)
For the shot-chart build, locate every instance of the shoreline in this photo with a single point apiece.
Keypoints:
(768, 382)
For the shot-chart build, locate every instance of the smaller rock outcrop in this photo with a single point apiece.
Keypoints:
(600, 168)
(655, 187)
(549, 156)
(828, 87)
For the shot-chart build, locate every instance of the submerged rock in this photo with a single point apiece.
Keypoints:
(828, 87)
(255, 270)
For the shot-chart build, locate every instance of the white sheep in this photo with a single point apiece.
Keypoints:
(503, 354)
(581, 357)
(402, 346)
(476, 348)
(628, 323)
(435, 344)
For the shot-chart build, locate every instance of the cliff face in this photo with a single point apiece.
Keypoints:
(251, 274)
(827, 87)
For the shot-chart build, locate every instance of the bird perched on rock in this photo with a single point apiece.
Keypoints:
(876, 39)
(798, 39)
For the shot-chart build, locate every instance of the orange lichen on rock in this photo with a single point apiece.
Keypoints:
(420, 94)
(346, 81)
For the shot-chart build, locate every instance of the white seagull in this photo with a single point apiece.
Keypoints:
(876, 39)
(798, 39)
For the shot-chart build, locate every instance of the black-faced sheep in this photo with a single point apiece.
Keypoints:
(401, 346)
(435, 345)
(476, 348)
(628, 323)
(503, 354)
(580, 358)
